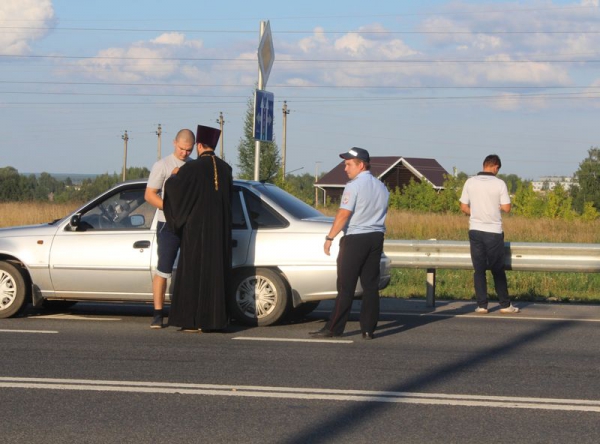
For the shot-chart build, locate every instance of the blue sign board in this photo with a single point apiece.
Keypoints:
(264, 104)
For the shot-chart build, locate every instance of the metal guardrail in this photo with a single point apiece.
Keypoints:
(520, 256)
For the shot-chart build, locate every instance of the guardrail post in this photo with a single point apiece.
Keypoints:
(430, 287)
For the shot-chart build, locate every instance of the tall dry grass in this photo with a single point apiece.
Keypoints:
(527, 286)
(30, 213)
(408, 225)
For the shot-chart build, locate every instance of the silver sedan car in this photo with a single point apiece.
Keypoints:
(106, 251)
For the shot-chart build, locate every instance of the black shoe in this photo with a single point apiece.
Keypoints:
(323, 333)
(367, 336)
(157, 322)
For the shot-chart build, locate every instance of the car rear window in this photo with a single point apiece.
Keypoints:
(291, 204)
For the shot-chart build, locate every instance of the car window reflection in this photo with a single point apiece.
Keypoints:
(126, 210)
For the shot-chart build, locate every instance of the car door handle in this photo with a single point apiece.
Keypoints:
(141, 244)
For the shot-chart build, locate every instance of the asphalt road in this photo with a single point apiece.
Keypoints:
(98, 374)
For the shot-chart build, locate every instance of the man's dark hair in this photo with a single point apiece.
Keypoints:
(492, 160)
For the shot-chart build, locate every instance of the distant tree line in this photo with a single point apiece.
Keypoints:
(581, 201)
(15, 187)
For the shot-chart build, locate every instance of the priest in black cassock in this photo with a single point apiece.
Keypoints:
(197, 205)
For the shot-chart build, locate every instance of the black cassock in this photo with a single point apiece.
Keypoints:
(197, 206)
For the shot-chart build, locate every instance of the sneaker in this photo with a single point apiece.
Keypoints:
(481, 310)
(157, 322)
(511, 309)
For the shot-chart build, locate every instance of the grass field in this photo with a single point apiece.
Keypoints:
(451, 284)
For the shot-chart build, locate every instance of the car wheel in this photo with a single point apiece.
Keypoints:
(259, 297)
(12, 290)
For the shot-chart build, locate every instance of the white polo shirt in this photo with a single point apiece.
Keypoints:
(484, 194)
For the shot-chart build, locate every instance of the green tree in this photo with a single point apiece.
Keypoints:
(589, 212)
(10, 181)
(448, 198)
(588, 181)
(512, 182)
(527, 202)
(559, 204)
(416, 196)
(270, 160)
(301, 186)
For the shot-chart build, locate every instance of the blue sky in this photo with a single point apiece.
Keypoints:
(450, 80)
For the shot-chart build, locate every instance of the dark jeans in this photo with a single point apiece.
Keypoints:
(359, 258)
(487, 253)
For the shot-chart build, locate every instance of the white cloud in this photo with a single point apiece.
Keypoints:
(128, 64)
(176, 39)
(141, 60)
(30, 14)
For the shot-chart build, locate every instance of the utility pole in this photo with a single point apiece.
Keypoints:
(221, 121)
(316, 178)
(285, 113)
(125, 137)
(158, 133)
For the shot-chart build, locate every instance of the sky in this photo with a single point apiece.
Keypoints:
(442, 79)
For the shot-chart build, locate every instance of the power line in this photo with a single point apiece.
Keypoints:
(253, 60)
(312, 31)
(237, 85)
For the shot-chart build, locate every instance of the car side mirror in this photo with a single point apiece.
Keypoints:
(75, 219)
(137, 220)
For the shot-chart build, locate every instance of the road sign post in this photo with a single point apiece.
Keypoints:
(266, 57)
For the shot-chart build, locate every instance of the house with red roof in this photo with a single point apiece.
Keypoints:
(394, 171)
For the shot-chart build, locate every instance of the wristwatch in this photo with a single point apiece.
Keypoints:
(328, 238)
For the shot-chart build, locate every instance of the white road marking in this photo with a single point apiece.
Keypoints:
(331, 341)
(491, 315)
(28, 331)
(74, 317)
(579, 405)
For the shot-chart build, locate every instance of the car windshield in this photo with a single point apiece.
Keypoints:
(291, 204)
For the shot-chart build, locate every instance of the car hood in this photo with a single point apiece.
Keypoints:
(28, 230)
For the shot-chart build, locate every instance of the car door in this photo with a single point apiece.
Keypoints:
(241, 230)
(106, 254)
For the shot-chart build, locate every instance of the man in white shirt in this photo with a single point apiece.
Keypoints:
(168, 242)
(483, 199)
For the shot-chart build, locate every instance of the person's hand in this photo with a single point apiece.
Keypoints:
(175, 170)
(327, 247)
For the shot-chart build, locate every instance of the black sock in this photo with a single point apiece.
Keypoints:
(158, 312)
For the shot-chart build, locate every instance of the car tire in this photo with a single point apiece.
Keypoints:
(13, 295)
(259, 297)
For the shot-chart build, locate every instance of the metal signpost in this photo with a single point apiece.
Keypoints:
(263, 100)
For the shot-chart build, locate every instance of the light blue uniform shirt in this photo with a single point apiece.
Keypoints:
(367, 198)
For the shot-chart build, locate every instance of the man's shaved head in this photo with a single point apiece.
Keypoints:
(185, 136)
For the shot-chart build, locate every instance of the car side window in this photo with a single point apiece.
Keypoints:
(261, 214)
(125, 210)
(238, 219)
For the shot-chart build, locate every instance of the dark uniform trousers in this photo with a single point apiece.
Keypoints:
(359, 257)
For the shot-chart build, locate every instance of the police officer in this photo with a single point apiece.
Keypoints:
(361, 216)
